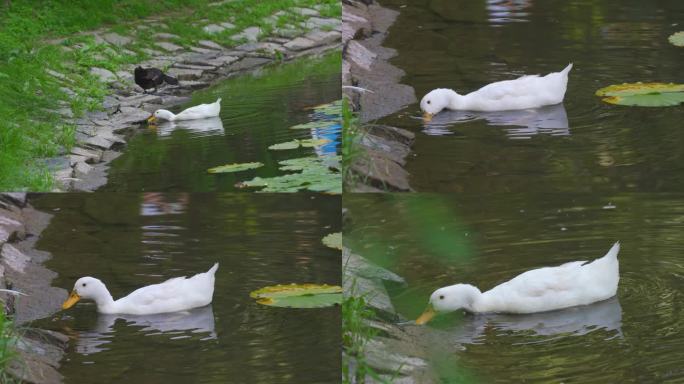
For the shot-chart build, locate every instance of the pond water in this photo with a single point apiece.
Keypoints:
(257, 111)
(581, 145)
(438, 240)
(132, 240)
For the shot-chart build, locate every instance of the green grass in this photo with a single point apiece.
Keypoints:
(8, 341)
(351, 136)
(30, 130)
(356, 332)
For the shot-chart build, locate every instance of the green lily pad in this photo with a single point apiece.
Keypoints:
(643, 94)
(677, 39)
(334, 108)
(299, 295)
(333, 240)
(235, 167)
(294, 144)
(308, 143)
(319, 124)
(315, 175)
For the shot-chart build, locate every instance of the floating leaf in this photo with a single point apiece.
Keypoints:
(235, 167)
(313, 142)
(334, 108)
(294, 144)
(333, 240)
(643, 94)
(629, 89)
(315, 175)
(320, 124)
(677, 39)
(299, 295)
(286, 145)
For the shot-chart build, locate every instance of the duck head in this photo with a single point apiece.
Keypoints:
(450, 299)
(88, 288)
(435, 101)
(161, 114)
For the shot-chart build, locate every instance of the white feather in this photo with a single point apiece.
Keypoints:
(544, 289)
(531, 91)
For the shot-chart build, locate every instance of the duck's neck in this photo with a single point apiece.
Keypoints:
(456, 101)
(104, 300)
(472, 296)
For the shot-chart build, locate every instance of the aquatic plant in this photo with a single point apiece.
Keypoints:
(333, 240)
(677, 39)
(643, 94)
(299, 295)
(237, 167)
(294, 144)
(316, 174)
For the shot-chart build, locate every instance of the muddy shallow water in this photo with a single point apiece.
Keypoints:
(581, 145)
(132, 240)
(438, 240)
(256, 112)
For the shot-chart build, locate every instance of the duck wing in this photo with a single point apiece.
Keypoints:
(201, 111)
(520, 87)
(176, 294)
(544, 281)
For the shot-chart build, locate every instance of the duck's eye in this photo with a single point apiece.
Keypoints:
(441, 297)
(84, 284)
(428, 101)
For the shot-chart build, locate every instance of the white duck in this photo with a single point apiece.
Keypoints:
(173, 295)
(539, 290)
(201, 111)
(532, 91)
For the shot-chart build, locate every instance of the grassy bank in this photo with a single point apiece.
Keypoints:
(31, 99)
(356, 332)
(351, 136)
(8, 342)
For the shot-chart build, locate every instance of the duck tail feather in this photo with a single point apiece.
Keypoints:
(567, 69)
(170, 80)
(213, 269)
(614, 250)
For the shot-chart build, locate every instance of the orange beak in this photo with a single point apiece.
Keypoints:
(73, 299)
(151, 120)
(427, 117)
(427, 315)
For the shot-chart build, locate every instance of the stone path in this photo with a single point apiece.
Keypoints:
(101, 136)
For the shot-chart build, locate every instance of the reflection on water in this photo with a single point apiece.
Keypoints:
(551, 120)
(257, 111)
(200, 127)
(438, 240)
(175, 326)
(466, 44)
(133, 240)
(605, 315)
(508, 11)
